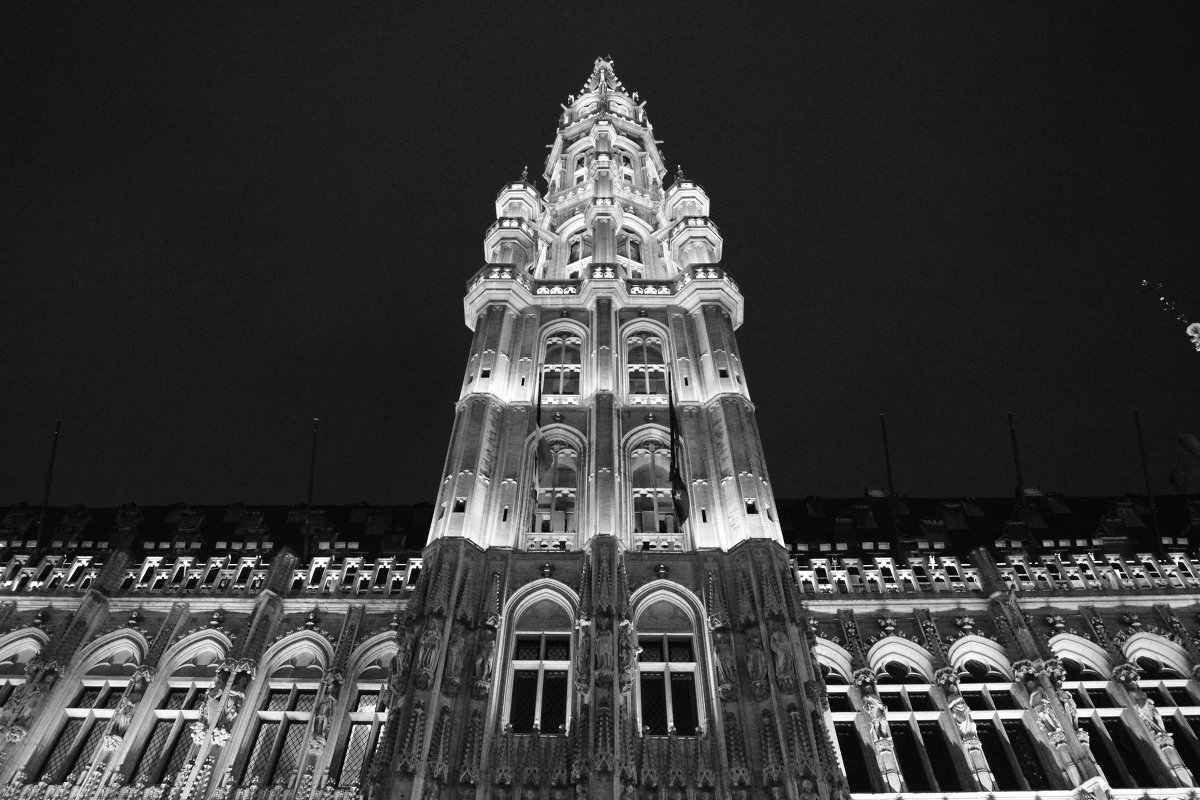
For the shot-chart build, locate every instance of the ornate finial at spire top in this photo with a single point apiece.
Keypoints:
(525, 173)
(678, 172)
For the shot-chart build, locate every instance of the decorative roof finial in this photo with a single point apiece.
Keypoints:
(678, 172)
(525, 173)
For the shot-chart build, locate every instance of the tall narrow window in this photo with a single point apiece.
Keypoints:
(541, 663)
(283, 713)
(167, 748)
(562, 364)
(368, 716)
(667, 683)
(557, 489)
(579, 247)
(86, 718)
(647, 367)
(653, 511)
(629, 245)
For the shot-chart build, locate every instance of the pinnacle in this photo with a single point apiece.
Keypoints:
(603, 78)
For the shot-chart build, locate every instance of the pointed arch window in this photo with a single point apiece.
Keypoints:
(668, 673)
(557, 489)
(562, 365)
(86, 719)
(166, 750)
(579, 247)
(647, 366)
(629, 245)
(539, 676)
(367, 714)
(283, 712)
(650, 479)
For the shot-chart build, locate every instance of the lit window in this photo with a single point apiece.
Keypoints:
(367, 712)
(540, 671)
(650, 479)
(557, 488)
(284, 709)
(667, 684)
(561, 366)
(646, 364)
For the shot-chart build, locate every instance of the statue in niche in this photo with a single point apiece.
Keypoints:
(877, 716)
(628, 655)
(1068, 701)
(1045, 714)
(483, 663)
(455, 653)
(604, 648)
(756, 663)
(785, 661)
(431, 641)
(726, 671)
(1146, 710)
(960, 712)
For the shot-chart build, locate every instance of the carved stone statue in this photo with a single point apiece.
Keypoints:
(961, 713)
(1146, 710)
(781, 647)
(431, 639)
(455, 653)
(877, 716)
(483, 659)
(1045, 714)
(604, 648)
(726, 671)
(628, 654)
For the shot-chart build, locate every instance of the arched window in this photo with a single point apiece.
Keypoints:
(166, 750)
(283, 711)
(646, 364)
(86, 717)
(626, 167)
(629, 245)
(557, 488)
(579, 248)
(540, 669)
(650, 481)
(562, 364)
(667, 671)
(368, 716)
(580, 168)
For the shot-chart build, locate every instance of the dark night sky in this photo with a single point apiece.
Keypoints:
(221, 222)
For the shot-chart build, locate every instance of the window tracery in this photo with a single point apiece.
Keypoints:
(539, 671)
(562, 364)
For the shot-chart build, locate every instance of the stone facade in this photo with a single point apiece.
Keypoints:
(610, 602)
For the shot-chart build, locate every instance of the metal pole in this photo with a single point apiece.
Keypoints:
(887, 455)
(1012, 432)
(49, 480)
(1158, 544)
(312, 465)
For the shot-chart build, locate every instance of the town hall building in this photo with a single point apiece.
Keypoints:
(606, 598)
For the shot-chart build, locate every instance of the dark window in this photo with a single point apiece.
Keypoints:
(1138, 766)
(908, 753)
(945, 766)
(852, 756)
(683, 702)
(654, 703)
(1107, 760)
(997, 757)
(554, 700)
(1026, 754)
(524, 700)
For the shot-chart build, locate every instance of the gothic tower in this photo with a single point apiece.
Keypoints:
(606, 609)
